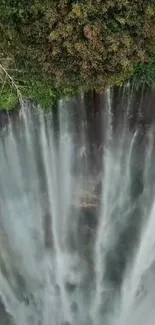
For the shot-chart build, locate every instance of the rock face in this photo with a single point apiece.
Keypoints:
(82, 225)
(87, 224)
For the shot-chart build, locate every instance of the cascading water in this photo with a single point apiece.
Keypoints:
(77, 214)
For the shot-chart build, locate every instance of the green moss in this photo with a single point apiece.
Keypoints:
(8, 99)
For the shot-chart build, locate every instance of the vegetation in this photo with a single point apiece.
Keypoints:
(145, 72)
(61, 47)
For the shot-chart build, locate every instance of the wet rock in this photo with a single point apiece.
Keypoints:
(82, 228)
(137, 185)
(26, 301)
(70, 287)
(88, 220)
(98, 189)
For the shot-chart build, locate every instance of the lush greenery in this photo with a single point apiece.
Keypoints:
(59, 47)
(145, 72)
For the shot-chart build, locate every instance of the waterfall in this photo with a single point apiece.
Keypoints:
(77, 212)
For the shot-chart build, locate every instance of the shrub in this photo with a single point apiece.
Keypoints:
(78, 44)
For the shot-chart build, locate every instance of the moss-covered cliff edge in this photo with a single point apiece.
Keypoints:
(53, 48)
